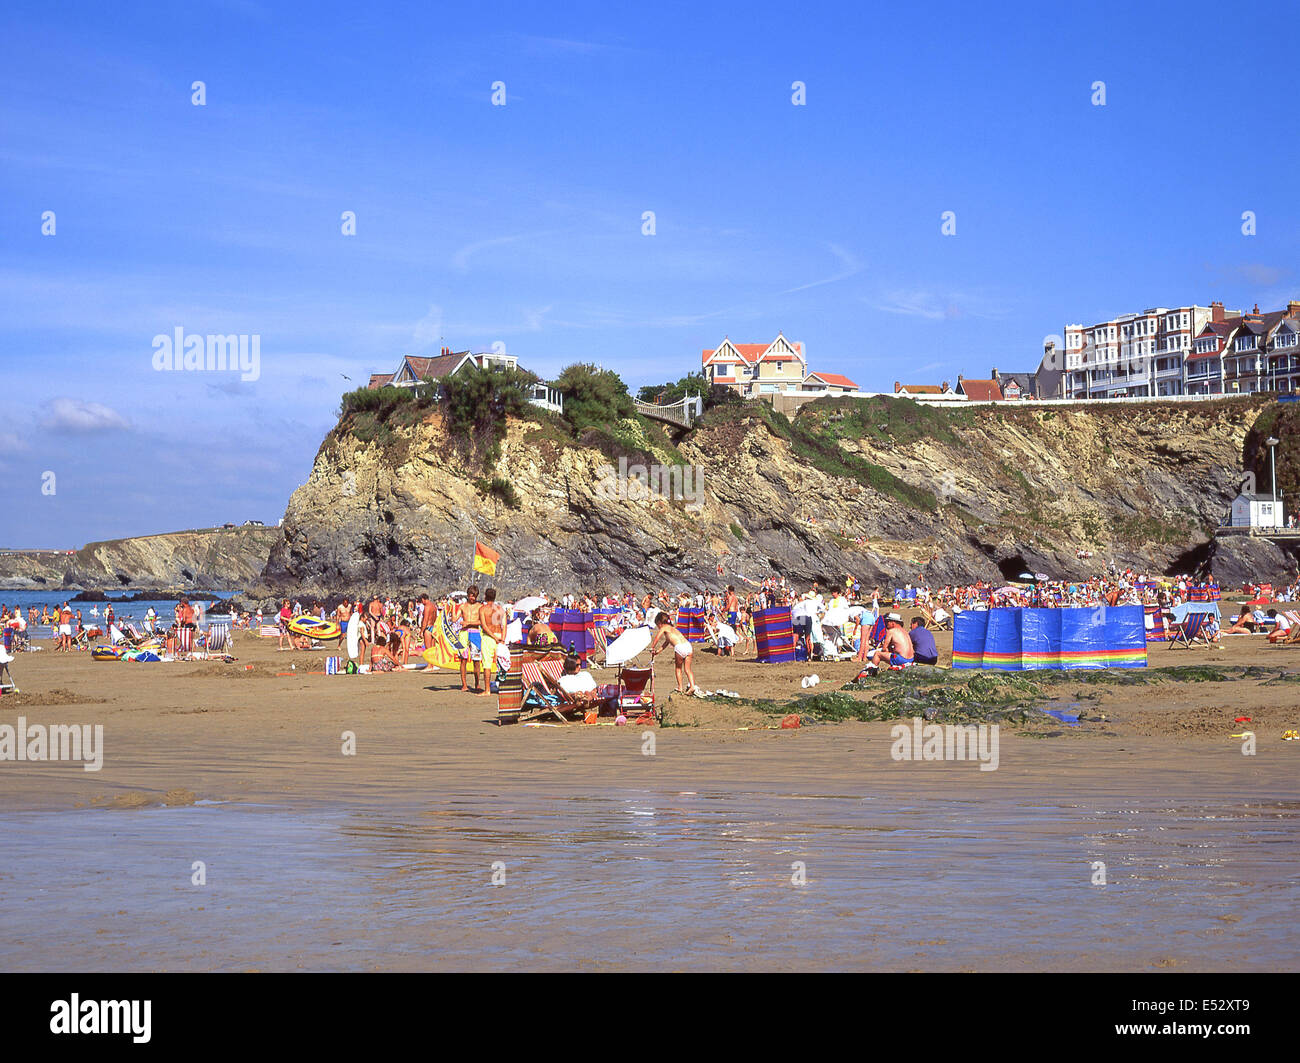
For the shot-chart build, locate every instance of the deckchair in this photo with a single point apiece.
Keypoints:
(636, 691)
(218, 636)
(1293, 632)
(510, 684)
(1194, 630)
(555, 701)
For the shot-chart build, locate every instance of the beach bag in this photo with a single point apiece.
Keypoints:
(351, 668)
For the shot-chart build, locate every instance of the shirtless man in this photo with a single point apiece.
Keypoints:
(540, 634)
(897, 647)
(428, 619)
(341, 615)
(65, 628)
(682, 651)
(496, 649)
(471, 626)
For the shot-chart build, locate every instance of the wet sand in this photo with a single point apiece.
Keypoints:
(725, 805)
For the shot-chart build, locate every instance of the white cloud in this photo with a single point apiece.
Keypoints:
(73, 415)
(12, 443)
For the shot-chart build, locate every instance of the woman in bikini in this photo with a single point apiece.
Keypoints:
(682, 651)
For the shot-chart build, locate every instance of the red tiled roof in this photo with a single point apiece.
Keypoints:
(835, 380)
(981, 390)
(724, 380)
(750, 351)
(921, 389)
(434, 368)
(378, 380)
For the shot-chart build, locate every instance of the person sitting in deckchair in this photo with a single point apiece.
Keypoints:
(578, 685)
(682, 651)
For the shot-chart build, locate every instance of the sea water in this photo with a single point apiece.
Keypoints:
(657, 880)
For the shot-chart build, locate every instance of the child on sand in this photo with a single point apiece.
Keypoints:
(682, 651)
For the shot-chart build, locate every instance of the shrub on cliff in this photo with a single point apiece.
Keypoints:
(593, 397)
(478, 401)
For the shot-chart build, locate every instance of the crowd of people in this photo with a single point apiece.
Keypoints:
(70, 630)
(845, 620)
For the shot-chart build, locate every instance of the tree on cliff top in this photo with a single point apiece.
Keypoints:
(478, 401)
(593, 396)
(690, 384)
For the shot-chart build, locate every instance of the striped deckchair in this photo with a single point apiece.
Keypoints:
(1156, 631)
(218, 638)
(1193, 631)
(1293, 632)
(510, 684)
(877, 633)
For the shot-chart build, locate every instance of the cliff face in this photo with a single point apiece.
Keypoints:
(193, 560)
(875, 488)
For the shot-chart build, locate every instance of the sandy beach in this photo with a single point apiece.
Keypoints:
(248, 731)
(205, 757)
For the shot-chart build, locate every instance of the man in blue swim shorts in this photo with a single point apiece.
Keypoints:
(896, 650)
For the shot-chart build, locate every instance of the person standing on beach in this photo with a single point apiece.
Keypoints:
(286, 614)
(496, 650)
(65, 628)
(471, 624)
(682, 652)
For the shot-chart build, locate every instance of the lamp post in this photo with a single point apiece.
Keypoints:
(1271, 442)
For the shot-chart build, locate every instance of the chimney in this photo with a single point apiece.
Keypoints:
(960, 378)
(1292, 307)
(1216, 311)
(1256, 310)
(993, 373)
(897, 387)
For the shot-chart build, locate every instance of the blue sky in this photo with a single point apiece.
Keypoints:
(521, 224)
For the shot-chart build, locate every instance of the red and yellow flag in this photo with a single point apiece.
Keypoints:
(485, 559)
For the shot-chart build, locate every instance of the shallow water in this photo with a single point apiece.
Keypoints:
(656, 880)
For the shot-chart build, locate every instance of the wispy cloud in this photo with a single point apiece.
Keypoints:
(938, 306)
(461, 259)
(74, 415)
(849, 266)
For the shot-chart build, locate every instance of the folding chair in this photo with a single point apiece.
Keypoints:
(218, 636)
(1194, 630)
(636, 691)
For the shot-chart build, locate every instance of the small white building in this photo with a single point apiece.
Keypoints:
(1256, 511)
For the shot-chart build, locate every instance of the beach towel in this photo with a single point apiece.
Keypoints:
(448, 644)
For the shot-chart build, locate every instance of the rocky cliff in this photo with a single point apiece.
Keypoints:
(218, 559)
(883, 489)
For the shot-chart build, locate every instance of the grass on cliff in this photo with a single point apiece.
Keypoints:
(883, 420)
(811, 440)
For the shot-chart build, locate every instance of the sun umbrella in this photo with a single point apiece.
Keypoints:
(633, 641)
(527, 605)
